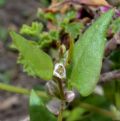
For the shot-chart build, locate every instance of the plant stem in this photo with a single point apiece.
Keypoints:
(19, 90)
(62, 95)
(60, 116)
(61, 90)
(70, 52)
(110, 76)
(60, 86)
(24, 91)
(97, 110)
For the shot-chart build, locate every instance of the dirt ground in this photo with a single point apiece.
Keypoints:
(14, 107)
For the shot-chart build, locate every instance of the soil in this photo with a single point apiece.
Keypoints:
(14, 107)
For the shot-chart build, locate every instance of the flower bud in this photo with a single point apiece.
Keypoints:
(55, 106)
(52, 88)
(70, 96)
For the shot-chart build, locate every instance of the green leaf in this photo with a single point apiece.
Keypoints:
(49, 16)
(115, 58)
(46, 38)
(97, 117)
(88, 55)
(75, 114)
(35, 61)
(38, 111)
(115, 25)
(54, 34)
(33, 30)
(69, 16)
(74, 29)
(117, 94)
(109, 91)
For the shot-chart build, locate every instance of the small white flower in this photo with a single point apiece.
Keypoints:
(59, 71)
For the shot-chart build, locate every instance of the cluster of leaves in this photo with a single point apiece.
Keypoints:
(83, 59)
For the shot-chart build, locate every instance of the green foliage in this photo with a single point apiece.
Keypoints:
(98, 101)
(46, 38)
(115, 26)
(33, 30)
(74, 115)
(2, 2)
(82, 114)
(38, 111)
(97, 117)
(88, 55)
(57, 17)
(56, 34)
(45, 2)
(43, 38)
(115, 58)
(60, 23)
(35, 61)
(109, 91)
(117, 95)
(74, 29)
(70, 15)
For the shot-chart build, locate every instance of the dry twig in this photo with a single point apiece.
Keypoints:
(109, 76)
(112, 44)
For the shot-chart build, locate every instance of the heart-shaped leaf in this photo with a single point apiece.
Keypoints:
(88, 55)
